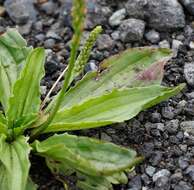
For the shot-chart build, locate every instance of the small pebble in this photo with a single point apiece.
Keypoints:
(164, 44)
(117, 17)
(153, 36)
(150, 170)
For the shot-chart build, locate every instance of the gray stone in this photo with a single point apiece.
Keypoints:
(49, 43)
(40, 37)
(176, 177)
(150, 170)
(153, 36)
(102, 14)
(168, 112)
(165, 15)
(190, 172)
(145, 179)
(117, 17)
(188, 126)
(105, 137)
(26, 28)
(135, 9)
(183, 162)
(183, 147)
(105, 42)
(156, 158)
(92, 66)
(189, 73)
(96, 13)
(135, 183)
(115, 35)
(160, 126)
(162, 182)
(189, 139)
(161, 14)
(182, 185)
(43, 90)
(49, 7)
(20, 11)
(164, 44)
(172, 126)
(175, 46)
(53, 34)
(38, 26)
(189, 5)
(155, 117)
(132, 30)
(160, 174)
(191, 45)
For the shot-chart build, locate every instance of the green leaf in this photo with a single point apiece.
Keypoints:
(3, 124)
(14, 163)
(117, 106)
(31, 185)
(93, 183)
(13, 39)
(25, 101)
(86, 181)
(13, 53)
(132, 68)
(86, 155)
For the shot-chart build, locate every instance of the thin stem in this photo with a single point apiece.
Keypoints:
(52, 88)
(78, 14)
(75, 45)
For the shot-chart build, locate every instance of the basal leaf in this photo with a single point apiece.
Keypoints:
(14, 163)
(132, 68)
(3, 124)
(86, 181)
(93, 183)
(31, 185)
(86, 155)
(117, 106)
(25, 100)
(13, 53)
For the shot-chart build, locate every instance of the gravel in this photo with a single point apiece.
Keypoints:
(105, 42)
(164, 134)
(117, 17)
(153, 36)
(135, 9)
(189, 5)
(20, 11)
(132, 30)
(161, 14)
(165, 15)
(189, 73)
(190, 171)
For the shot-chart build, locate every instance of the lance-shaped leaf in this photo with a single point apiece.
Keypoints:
(117, 106)
(83, 181)
(86, 155)
(25, 100)
(13, 53)
(31, 185)
(100, 182)
(3, 124)
(14, 163)
(132, 68)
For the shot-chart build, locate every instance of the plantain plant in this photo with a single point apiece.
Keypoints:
(124, 85)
